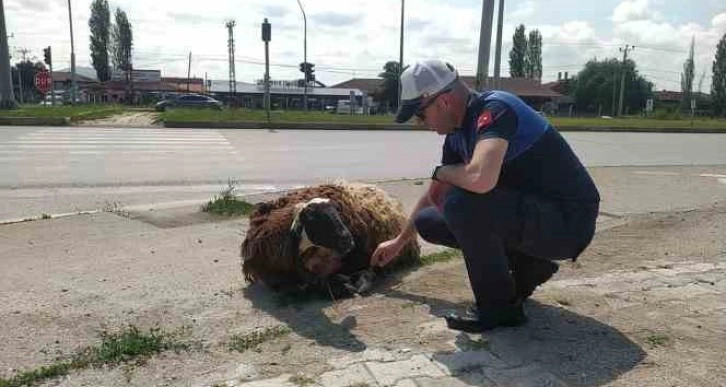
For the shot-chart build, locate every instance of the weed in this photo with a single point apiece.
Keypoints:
(301, 380)
(564, 302)
(361, 384)
(120, 347)
(45, 216)
(241, 343)
(228, 204)
(440, 256)
(656, 341)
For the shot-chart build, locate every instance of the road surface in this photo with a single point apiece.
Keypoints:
(60, 170)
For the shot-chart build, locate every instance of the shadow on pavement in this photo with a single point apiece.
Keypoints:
(307, 319)
(576, 349)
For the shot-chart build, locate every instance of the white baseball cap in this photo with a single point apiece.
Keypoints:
(423, 79)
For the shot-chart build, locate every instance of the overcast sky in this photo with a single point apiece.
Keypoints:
(354, 38)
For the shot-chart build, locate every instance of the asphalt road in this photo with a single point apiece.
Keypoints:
(58, 170)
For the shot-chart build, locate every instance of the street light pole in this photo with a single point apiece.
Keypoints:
(7, 99)
(400, 57)
(485, 42)
(305, 55)
(73, 57)
(498, 52)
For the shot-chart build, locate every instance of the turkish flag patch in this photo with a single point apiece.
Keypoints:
(485, 119)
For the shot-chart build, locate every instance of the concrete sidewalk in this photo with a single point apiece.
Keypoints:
(643, 307)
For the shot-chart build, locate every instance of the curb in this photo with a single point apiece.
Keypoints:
(390, 127)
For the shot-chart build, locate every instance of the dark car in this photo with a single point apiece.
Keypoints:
(189, 101)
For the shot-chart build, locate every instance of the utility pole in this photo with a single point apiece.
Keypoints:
(400, 56)
(498, 54)
(622, 77)
(266, 37)
(23, 51)
(189, 70)
(232, 72)
(7, 99)
(74, 84)
(305, 55)
(485, 42)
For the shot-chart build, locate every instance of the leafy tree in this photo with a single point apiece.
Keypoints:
(388, 91)
(100, 26)
(598, 85)
(518, 54)
(533, 61)
(718, 85)
(687, 79)
(123, 38)
(27, 70)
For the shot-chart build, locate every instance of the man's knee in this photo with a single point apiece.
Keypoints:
(492, 210)
(432, 227)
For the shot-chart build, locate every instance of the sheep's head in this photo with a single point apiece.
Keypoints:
(318, 239)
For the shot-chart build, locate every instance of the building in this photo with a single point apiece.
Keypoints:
(285, 95)
(531, 91)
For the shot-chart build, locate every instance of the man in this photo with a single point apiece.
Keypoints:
(510, 193)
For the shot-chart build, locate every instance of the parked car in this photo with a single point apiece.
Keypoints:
(189, 101)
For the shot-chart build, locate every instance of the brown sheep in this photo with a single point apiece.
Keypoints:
(321, 238)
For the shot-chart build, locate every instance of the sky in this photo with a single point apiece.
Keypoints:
(354, 38)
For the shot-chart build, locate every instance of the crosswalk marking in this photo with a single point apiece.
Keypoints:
(52, 144)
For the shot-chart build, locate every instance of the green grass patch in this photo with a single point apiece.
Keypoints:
(301, 380)
(655, 341)
(227, 204)
(638, 123)
(128, 344)
(75, 113)
(233, 114)
(440, 256)
(241, 343)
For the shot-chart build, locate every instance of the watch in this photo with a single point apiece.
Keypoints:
(436, 170)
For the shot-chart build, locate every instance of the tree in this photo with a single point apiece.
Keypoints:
(597, 84)
(389, 89)
(100, 26)
(533, 61)
(122, 38)
(27, 70)
(718, 83)
(687, 79)
(518, 54)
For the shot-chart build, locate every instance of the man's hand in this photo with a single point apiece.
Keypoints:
(386, 251)
(437, 193)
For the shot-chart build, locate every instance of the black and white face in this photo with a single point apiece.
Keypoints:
(324, 238)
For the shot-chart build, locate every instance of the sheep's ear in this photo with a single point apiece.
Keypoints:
(291, 248)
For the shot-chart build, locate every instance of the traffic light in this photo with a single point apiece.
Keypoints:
(308, 69)
(47, 55)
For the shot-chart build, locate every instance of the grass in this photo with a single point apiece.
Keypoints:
(440, 256)
(301, 380)
(231, 114)
(241, 343)
(227, 204)
(75, 113)
(115, 348)
(565, 122)
(655, 341)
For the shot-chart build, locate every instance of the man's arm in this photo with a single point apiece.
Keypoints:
(482, 173)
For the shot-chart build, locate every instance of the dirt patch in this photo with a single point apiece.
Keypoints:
(643, 306)
(127, 119)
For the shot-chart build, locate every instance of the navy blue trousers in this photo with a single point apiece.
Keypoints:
(491, 227)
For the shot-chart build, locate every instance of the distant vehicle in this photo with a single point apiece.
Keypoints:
(344, 108)
(189, 101)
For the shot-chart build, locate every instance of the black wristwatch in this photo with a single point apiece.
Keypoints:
(436, 170)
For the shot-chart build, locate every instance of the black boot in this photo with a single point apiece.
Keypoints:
(475, 322)
(530, 272)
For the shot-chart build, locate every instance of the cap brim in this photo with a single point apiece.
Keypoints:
(407, 110)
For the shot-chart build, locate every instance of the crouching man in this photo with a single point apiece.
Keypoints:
(510, 193)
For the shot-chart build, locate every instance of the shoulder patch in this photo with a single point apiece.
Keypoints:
(485, 119)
